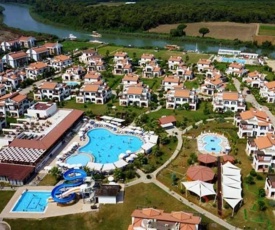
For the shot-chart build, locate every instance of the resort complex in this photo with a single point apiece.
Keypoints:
(161, 139)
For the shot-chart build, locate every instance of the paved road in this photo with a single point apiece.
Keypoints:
(250, 98)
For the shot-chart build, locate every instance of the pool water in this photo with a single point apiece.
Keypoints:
(225, 59)
(72, 83)
(78, 159)
(32, 201)
(212, 144)
(106, 146)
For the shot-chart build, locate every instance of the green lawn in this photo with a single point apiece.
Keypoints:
(5, 197)
(160, 54)
(195, 83)
(270, 76)
(255, 219)
(116, 217)
(267, 30)
(48, 180)
(154, 83)
(113, 82)
(69, 46)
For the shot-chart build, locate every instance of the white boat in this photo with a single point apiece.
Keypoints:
(96, 34)
(97, 41)
(72, 37)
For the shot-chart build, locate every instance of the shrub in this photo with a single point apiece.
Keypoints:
(261, 193)
(249, 180)
(259, 177)
(253, 173)
(261, 205)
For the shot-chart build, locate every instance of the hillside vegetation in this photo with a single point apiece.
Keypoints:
(150, 13)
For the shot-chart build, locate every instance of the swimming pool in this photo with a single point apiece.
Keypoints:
(82, 159)
(72, 83)
(32, 201)
(225, 59)
(212, 144)
(106, 146)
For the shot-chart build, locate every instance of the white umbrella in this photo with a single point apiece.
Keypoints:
(128, 151)
(108, 167)
(122, 155)
(111, 178)
(59, 156)
(133, 156)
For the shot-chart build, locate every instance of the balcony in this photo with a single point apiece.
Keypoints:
(246, 127)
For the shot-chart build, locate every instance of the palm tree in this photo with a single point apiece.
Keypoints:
(56, 173)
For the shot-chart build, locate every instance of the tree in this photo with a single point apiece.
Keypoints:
(204, 31)
(118, 174)
(261, 205)
(261, 192)
(56, 173)
(87, 170)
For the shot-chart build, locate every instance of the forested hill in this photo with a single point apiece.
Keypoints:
(146, 14)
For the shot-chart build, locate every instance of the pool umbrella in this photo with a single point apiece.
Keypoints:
(128, 151)
(111, 178)
(201, 173)
(108, 167)
(227, 158)
(206, 159)
(122, 155)
(133, 156)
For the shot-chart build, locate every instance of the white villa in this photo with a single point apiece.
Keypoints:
(27, 42)
(10, 45)
(204, 64)
(212, 84)
(262, 149)
(60, 62)
(228, 101)
(2, 90)
(178, 97)
(268, 91)
(53, 48)
(186, 73)
(253, 123)
(120, 56)
(174, 62)
(254, 79)
(16, 59)
(236, 69)
(14, 103)
(122, 67)
(35, 69)
(93, 60)
(146, 58)
(74, 73)
(130, 79)
(151, 69)
(170, 82)
(12, 78)
(38, 53)
(92, 77)
(270, 186)
(135, 94)
(51, 91)
(97, 93)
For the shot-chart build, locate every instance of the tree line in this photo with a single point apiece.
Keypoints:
(148, 14)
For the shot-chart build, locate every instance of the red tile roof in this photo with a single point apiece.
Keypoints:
(15, 172)
(167, 120)
(52, 137)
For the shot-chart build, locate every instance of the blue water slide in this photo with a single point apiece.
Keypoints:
(76, 176)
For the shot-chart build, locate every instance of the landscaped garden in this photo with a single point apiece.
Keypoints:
(5, 197)
(256, 211)
(110, 216)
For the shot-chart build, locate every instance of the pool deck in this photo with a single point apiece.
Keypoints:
(52, 210)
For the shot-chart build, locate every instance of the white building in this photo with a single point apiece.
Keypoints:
(130, 79)
(107, 194)
(262, 149)
(270, 186)
(11, 45)
(228, 101)
(184, 72)
(42, 110)
(92, 77)
(151, 69)
(135, 95)
(212, 84)
(253, 123)
(12, 79)
(38, 53)
(174, 62)
(27, 42)
(146, 58)
(97, 93)
(2, 90)
(16, 59)
(170, 82)
(236, 69)
(254, 79)
(60, 62)
(121, 56)
(268, 91)
(179, 97)
(74, 73)
(51, 91)
(204, 64)
(14, 104)
(36, 69)
(122, 67)
(53, 48)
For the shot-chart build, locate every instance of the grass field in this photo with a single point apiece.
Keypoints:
(253, 219)
(48, 180)
(116, 217)
(219, 30)
(69, 46)
(5, 197)
(268, 30)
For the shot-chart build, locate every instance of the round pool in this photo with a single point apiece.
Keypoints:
(212, 144)
(78, 159)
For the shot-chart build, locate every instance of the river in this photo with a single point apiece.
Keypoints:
(18, 16)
